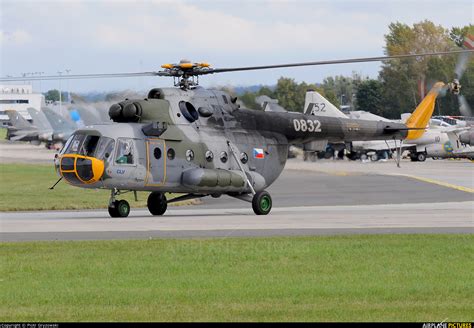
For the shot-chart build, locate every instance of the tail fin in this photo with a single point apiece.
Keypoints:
(454, 140)
(421, 116)
(58, 123)
(315, 104)
(18, 121)
(88, 116)
(39, 119)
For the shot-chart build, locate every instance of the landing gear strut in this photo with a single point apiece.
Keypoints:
(118, 208)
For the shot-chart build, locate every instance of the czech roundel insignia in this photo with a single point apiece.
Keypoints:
(258, 153)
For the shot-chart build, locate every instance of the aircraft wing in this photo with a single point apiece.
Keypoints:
(376, 145)
(21, 136)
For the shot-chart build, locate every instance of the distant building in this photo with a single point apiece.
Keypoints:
(18, 97)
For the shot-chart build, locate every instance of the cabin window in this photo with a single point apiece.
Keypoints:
(223, 156)
(157, 153)
(189, 155)
(124, 151)
(171, 154)
(244, 158)
(209, 156)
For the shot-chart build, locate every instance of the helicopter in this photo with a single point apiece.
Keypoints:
(199, 142)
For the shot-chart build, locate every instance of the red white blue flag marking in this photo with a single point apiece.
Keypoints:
(258, 153)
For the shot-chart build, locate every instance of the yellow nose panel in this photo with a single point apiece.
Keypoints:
(78, 169)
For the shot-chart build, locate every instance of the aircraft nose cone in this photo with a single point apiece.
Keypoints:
(78, 169)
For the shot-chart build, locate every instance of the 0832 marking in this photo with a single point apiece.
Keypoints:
(306, 125)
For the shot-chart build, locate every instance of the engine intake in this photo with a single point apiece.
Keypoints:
(126, 111)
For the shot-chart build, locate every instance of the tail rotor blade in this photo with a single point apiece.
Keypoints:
(464, 107)
(461, 64)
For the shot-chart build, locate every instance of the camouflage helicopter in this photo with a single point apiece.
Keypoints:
(199, 142)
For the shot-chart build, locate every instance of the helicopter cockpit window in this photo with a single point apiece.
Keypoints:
(89, 145)
(75, 144)
(105, 147)
(124, 151)
(66, 145)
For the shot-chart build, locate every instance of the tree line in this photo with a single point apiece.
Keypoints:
(401, 83)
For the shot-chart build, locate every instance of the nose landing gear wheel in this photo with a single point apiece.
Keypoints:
(120, 209)
(157, 203)
(262, 203)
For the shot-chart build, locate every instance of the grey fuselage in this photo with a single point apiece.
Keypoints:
(260, 141)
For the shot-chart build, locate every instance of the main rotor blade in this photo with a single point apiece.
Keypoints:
(222, 70)
(337, 61)
(81, 76)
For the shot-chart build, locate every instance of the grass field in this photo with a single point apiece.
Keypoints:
(25, 187)
(3, 133)
(343, 278)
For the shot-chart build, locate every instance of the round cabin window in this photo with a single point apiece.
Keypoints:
(209, 156)
(244, 158)
(223, 157)
(189, 155)
(171, 154)
(157, 153)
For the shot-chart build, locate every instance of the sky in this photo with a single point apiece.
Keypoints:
(131, 36)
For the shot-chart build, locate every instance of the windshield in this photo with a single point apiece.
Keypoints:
(89, 145)
(66, 145)
(75, 143)
(105, 147)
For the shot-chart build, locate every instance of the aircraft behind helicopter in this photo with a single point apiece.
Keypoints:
(199, 142)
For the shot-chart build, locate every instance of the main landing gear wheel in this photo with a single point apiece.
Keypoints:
(421, 157)
(262, 203)
(157, 203)
(120, 209)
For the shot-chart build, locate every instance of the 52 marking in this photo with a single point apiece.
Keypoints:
(307, 125)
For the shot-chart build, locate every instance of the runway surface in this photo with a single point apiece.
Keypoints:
(314, 200)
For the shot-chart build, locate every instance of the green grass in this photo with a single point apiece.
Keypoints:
(3, 133)
(25, 187)
(344, 278)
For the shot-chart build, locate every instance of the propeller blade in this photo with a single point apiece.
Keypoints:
(337, 61)
(461, 64)
(81, 76)
(464, 106)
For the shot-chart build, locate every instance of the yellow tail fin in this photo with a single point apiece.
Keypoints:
(421, 116)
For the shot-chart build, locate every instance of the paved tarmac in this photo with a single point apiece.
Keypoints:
(326, 197)
(319, 199)
(455, 217)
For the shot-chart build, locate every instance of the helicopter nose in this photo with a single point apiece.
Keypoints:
(78, 169)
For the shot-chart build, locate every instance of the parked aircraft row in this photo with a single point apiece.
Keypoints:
(440, 140)
(50, 127)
